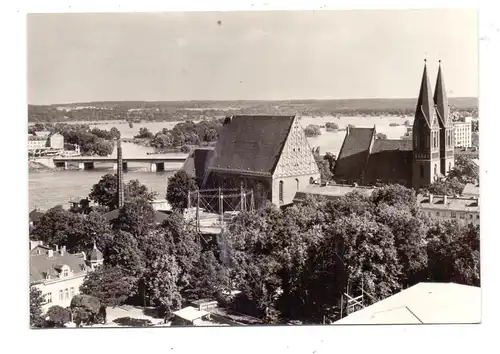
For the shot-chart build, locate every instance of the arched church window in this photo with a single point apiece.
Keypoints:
(281, 191)
(449, 167)
(435, 170)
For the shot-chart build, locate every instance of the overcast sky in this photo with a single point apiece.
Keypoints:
(248, 55)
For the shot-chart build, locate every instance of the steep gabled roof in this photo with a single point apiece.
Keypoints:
(251, 143)
(354, 153)
(441, 100)
(425, 102)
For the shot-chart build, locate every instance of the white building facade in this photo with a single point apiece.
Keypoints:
(58, 274)
(463, 132)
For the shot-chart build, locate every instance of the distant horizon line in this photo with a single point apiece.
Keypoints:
(244, 100)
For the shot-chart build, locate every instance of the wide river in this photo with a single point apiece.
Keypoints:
(48, 189)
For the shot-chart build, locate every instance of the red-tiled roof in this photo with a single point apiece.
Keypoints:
(354, 153)
(251, 143)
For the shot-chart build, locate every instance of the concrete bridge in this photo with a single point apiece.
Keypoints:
(156, 162)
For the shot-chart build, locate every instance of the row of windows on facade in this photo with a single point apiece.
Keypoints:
(297, 182)
(435, 139)
(454, 215)
(64, 294)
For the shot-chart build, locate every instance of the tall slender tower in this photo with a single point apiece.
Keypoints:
(446, 131)
(426, 159)
(119, 169)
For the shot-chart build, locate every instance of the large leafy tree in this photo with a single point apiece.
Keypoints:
(453, 253)
(104, 192)
(409, 239)
(465, 170)
(182, 242)
(57, 316)
(178, 187)
(254, 269)
(124, 253)
(161, 275)
(365, 252)
(137, 217)
(450, 186)
(75, 231)
(109, 284)
(209, 278)
(36, 302)
(85, 309)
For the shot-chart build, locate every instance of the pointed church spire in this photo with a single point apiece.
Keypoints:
(441, 99)
(425, 103)
(119, 169)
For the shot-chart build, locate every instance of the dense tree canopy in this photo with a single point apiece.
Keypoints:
(312, 130)
(59, 227)
(109, 284)
(465, 170)
(331, 126)
(104, 192)
(381, 136)
(57, 316)
(36, 302)
(178, 187)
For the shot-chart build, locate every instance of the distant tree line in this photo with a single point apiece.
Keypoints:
(183, 134)
(188, 110)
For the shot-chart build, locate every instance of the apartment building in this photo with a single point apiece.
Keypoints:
(464, 209)
(59, 274)
(463, 132)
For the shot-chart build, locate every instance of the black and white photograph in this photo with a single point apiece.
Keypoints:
(253, 168)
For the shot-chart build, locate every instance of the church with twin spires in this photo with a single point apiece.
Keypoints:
(415, 163)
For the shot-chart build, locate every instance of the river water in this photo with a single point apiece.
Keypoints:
(48, 189)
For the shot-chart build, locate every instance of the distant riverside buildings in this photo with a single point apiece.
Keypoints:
(59, 274)
(365, 160)
(44, 140)
(463, 132)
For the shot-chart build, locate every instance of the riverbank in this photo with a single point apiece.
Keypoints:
(38, 167)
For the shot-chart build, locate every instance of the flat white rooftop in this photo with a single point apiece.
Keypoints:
(428, 303)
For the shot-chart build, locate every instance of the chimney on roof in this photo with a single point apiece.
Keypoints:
(57, 248)
(50, 253)
(119, 173)
(63, 250)
(431, 198)
(445, 199)
(347, 129)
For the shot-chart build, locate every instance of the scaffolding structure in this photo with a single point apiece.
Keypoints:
(214, 204)
(352, 303)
